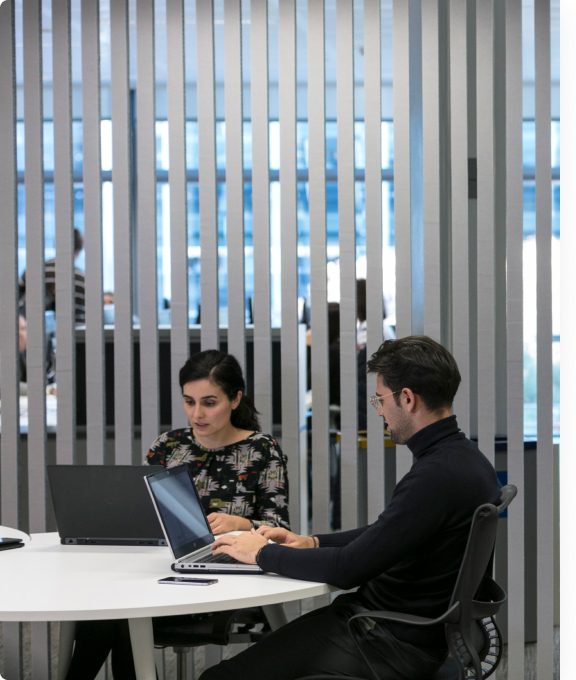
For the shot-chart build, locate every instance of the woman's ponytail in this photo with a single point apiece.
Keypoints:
(245, 415)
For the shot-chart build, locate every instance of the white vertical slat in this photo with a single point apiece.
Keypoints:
(261, 212)
(514, 337)
(147, 232)
(35, 291)
(289, 236)
(35, 349)
(208, 189)
(402, 170)
(92, 175)
(179, 335)
(235, 180)
(374, 278)
(64, 218)
(459, 208)
(121, 178)
(347, 237)
(431, 166)
(402, 188)
(9, 346)
(545, 467)
(9, 373)
(318, 280)
(485, 232)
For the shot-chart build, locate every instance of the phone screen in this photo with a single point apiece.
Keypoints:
(187, 581)
(10, 541)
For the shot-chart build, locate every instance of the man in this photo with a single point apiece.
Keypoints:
(50, 283)
(407, 561)
(22, 338)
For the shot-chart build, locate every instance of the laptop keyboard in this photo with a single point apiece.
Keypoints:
(220, 559)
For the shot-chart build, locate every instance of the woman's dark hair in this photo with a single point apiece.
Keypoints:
(422, 365)
(223, 370)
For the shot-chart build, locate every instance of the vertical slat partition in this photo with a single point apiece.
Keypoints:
(235, 180)
(485, 232)
(431, 166)
(545, 450)
(514, 337)
(208, 188)
(347, 237)
(64, 217)
(402, 188)
(318, 275)
(35, 348)
(459, 208)
(147, 231)
(289, 244)
(374, 278)
(9, 346)
(121, 178)
(261, 212)
(9, 373)
(35, 297)
(179, 335)
(92, 175)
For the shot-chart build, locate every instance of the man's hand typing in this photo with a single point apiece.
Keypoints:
(285, 537)
(243, 547)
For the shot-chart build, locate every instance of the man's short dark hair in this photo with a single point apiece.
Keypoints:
(78, 241)
(420, 364)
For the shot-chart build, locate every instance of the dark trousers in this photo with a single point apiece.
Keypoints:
(94, 641)
(319, 643)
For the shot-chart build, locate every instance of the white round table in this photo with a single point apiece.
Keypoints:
(48, 581)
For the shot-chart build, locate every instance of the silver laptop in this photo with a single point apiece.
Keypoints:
(185, 525)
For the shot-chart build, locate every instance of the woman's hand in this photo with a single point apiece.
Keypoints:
(221, 523)
(285, 537)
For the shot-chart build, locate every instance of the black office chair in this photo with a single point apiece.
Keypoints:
(473, 638)
(221, 628)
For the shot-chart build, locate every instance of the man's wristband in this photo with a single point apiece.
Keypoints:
(258, 554)
(315, 541)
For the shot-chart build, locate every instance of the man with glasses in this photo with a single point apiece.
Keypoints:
(406, 561)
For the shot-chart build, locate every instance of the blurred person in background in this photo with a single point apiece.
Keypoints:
(50, 284)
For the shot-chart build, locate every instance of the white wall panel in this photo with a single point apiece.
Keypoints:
(179, 340)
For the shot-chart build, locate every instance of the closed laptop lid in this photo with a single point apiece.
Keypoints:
(180, 509)
(104, 502)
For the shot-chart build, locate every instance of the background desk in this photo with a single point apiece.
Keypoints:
(47, 581)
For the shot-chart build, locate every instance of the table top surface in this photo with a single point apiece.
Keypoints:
(48, 581)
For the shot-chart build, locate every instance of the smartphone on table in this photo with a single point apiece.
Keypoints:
(187, 581)
(10, 543)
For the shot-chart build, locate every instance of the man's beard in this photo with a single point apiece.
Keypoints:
(401, 432)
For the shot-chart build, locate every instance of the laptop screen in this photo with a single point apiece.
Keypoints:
(179, 507)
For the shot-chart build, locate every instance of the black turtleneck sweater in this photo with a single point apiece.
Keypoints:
(408, 560)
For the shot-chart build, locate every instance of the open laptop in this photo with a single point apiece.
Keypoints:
(185, 525)
(104, 505)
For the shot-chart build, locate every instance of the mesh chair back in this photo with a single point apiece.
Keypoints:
(479, 549)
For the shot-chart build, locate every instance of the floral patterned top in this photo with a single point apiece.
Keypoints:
(248, 478)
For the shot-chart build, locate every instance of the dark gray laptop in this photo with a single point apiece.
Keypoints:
(104, 505)
(185, 525)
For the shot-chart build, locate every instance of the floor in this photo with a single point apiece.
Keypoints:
(204, 657)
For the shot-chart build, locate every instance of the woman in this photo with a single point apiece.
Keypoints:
(240, 475)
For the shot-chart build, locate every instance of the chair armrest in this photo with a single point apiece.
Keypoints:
(452, 615)
(508, 494)
(488, 600)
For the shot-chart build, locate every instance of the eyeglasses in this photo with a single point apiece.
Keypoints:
(377, 401)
